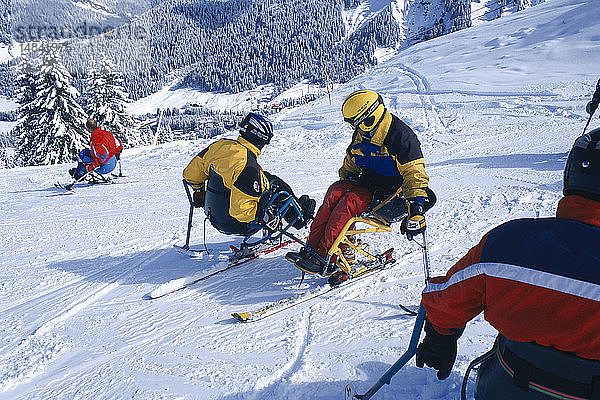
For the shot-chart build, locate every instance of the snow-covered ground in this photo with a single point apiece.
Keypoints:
(177, 97)
(7, 104)
(356, 17)
(496, 107)
(7, 53)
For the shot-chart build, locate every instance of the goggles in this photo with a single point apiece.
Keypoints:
(367, 117)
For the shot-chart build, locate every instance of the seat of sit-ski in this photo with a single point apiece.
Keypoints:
(392, 211)
(393, 208)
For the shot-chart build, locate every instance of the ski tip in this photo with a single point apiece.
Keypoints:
(410, 310)
(193, 253)
(59, 185)
(350, 393)
(242, 317)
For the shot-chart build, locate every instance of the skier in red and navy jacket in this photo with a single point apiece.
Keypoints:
(103, 154)
(538, 283)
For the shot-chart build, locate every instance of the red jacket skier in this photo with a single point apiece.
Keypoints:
(103, 144)
(103, 154)
(538, 283)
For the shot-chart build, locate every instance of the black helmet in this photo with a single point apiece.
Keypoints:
(582, 172)
(256, 129)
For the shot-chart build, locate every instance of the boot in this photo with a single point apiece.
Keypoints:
(77, 173)
(294, 256)
(312, 265)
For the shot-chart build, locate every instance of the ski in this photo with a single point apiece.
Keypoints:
(289, 302)
(68, 186)
(410, 310)
(182, 283)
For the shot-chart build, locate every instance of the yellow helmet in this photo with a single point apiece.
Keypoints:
(363, 109)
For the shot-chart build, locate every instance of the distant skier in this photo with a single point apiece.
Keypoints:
(538, 283)
(232, 187)
(103, 154)
(384, 155)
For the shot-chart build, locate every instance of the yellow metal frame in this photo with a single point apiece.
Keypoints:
(374, 225)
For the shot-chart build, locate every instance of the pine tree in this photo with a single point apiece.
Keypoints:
(523, 4)
(54, 132)
(27, 126)
(166, 134)
(5, 21)
(105, 101)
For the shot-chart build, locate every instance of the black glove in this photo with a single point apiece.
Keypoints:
(414, 223)
(437, 351)
(199, 196)
(593, 105)
(308, 206)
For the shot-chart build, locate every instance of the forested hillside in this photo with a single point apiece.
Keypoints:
(234, 45)
(239, 44)
(33, 20)
(4, 22)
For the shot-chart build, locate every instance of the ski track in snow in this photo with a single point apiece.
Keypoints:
(431, 116)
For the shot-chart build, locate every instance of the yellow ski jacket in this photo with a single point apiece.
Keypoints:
(242, 179)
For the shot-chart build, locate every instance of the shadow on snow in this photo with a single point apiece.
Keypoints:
(268, 278)
(409, 383)
(537, 162)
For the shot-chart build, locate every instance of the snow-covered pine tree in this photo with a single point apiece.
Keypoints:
(5, 21)
(27, 126)
(166, 134)
(55, 132)
(105, 101)
(523, 4)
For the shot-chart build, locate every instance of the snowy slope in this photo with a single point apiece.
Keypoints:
(173, 97)
(356, 17)
(496, 107)
(7, 104)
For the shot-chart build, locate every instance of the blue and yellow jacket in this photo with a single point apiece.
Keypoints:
(392, 158)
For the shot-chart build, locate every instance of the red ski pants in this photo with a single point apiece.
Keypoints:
(344, 200)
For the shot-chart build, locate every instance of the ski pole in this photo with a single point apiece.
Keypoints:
(425, 248)
(593, 105)
(412, 346)
(82, 177)
(191, 214)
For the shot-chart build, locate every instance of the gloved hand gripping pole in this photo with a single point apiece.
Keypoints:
(593, 104)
